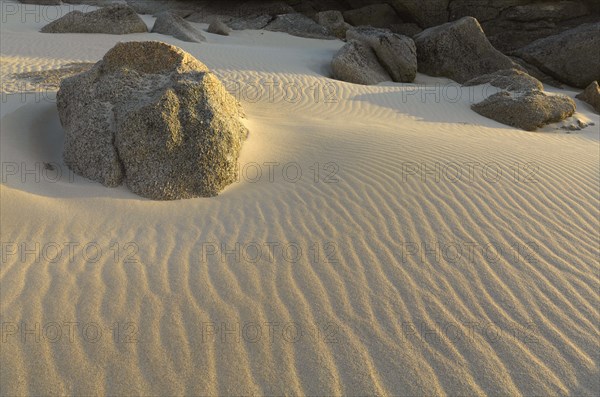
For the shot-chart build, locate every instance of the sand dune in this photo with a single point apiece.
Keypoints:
(371, 274)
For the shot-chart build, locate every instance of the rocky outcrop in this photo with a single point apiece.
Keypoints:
(460, 51)
(426, 13)
(171, 24)
(116, 19)
(591, 95)
(357, 63)
(527, 110)
(508, 79)
(396, 53)
(572, 57)
(152, 116)
(299, 25)
(250, 23)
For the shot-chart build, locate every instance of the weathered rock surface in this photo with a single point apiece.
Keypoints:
(508, 79)
(426, 13)
(396, 53)
(299, 25)
(152, 116)
(376, 15)
(460, 51)
(218, 27)
(591, 95)
(115, 19)
(357, 63)
(171, 24)
(572, 57)
(334, 21)
(250, 23)
(527, 110)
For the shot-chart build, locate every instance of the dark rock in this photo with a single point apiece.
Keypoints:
(299, 25)
(572, 57)
(459, 50)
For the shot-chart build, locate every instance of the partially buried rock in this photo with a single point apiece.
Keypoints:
(115, 19)
(460, 51)
(396, 53)
(299, 25)
(218, 27)
(527, 110)
(591, 95)
(152, 116)
(508, 79)
(357, 63)
(171, 24)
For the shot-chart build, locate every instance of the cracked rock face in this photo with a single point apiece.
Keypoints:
(152, 116)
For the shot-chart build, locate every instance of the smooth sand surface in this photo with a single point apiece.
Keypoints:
(371, 273)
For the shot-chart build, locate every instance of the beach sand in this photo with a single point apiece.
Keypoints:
(382, 240)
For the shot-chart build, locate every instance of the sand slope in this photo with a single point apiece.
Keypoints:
(372, 276)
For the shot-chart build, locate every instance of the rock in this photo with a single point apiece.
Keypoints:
(426, 13)
(508, 79)
(218, 27)
(538, 74)
(591, 95)
(152, 116)
(116, 19)
(376, 15)
(406, 29)
(299, 25)
(357, 63)
(572, 57)
(527, 110)
(460, 51)
(334, 21)
(250, 23)
(551, 11)
(396, 53)
(171, 24)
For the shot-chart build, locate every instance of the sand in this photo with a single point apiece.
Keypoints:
(382, 240)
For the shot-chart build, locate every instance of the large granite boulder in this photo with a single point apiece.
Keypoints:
(357, 63)
(527, 110)
(396, 53)
(508, 79)
(152, 116)
(376, 15)
(460, 51)
(334, 21)
(591, 95)
(299, 25)
(171, 24)
(572, 57)
(115, 19)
